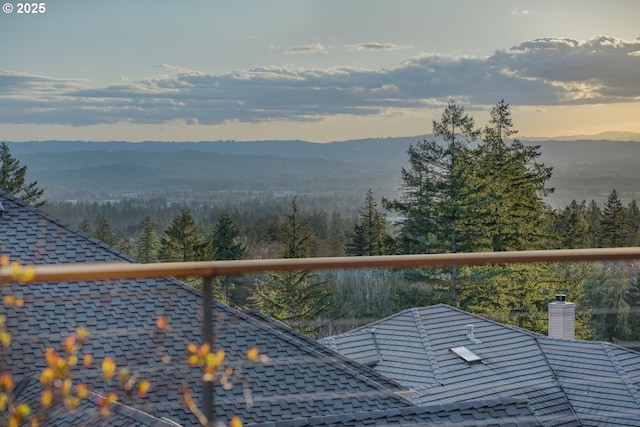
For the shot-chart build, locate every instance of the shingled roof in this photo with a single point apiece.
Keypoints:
(504, 412)
(298, 381)
(566, 382)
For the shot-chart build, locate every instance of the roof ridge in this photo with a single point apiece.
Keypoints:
(424, 337)
(633, 390)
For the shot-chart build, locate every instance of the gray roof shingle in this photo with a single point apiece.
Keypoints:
(87, 413)
(503, 412)
(566, 382)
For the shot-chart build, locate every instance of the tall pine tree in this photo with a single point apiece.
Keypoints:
(614, 230)
(147, 242)
(633, 223)
(297, 297)
(514, 186)
(573, 226)
(594, 218)
(13, 176)
(439, 192)
(181, 241)
(225, 242)
(369, 236)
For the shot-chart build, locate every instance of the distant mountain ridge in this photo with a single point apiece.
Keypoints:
(367, 151)
(583, 169)
(602, 136)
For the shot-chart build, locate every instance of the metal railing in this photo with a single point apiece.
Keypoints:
(113, 271)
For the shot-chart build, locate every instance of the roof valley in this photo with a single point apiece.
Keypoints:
(555, 378)
(635, 394)
(427, 346)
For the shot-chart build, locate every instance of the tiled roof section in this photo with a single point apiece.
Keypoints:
(31, 236)
(600, 379)
(400, 345)
(298, 381)
(512, 363)
(330, 353)
(503, 412)
(87, 412)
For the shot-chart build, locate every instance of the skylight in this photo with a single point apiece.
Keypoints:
(466, 354)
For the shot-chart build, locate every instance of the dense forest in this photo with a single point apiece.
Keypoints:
(468, 189)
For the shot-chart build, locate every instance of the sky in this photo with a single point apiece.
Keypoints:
(314, 70)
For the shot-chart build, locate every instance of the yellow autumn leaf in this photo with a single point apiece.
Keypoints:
(46, 398)
(47, 376)
(66, 387)
(82, 333)
(28, 274)
(23, 410)
(82, 391)
(253, 353)
(87, 358)
(5, 339)
(108, 368)
(143, 387)
(16, 270)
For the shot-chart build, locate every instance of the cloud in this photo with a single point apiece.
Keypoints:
(375, 46)
(307, 49)
(542, 72)
(519, 12)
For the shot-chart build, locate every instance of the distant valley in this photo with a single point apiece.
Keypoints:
(224, 170)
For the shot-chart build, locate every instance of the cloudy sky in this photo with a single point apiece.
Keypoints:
(316, 70)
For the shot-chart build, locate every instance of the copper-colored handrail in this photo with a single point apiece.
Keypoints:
(113, 271)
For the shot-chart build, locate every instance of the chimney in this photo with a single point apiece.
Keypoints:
(562, 318)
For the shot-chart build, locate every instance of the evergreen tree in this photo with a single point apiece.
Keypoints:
(439, 193)
(417, 205)
(337, 235)
(85, 226)
(574, 227)
(605, 291)
(632, 298)
(514, 185)
(594, 218)
(296, 297)
(125, 245)
(437, 197)
(12, 178)
(370, 235)
(633, 223)
(614, 230)
(224, 241)
(181, 241)
(102, 231)
(147, 242)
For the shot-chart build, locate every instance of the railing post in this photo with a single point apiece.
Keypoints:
(207, 337)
